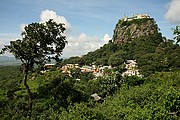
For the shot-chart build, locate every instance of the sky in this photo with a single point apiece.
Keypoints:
(89, 23)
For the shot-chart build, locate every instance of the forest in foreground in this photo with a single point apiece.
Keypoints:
(59, 96)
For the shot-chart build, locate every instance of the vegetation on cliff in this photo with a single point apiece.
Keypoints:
(41, 42)
(127, 31)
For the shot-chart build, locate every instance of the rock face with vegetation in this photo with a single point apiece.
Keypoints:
(127, 31)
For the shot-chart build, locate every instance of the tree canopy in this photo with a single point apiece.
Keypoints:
(40, 42)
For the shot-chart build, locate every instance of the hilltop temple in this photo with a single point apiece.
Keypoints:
(138, 16)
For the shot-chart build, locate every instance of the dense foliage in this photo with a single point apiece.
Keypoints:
(59, 96)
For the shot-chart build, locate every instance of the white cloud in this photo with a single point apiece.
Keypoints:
(173, 13)
(82, 37)
(106, 38)
(6, 41)
(5, 38)
(2, 46)
(77, 45)
(82, 44)
(49, 14)
(22, 26)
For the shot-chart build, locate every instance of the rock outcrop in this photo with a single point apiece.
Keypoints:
(127, 31)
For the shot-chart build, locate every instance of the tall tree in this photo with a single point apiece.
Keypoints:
(176, 32)
(40, 42)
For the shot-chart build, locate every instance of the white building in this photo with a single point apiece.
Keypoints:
(138, 16)
(132, 69)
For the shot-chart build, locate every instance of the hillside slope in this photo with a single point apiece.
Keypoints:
(138, 39)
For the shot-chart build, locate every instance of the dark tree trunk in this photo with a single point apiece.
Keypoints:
(29, 92)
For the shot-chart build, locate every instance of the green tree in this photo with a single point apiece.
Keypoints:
(176, 32)
(101, 61)
(117, 58)
(40, 42)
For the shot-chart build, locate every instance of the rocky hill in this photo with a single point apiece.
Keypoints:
(136, 38)
(129, 29)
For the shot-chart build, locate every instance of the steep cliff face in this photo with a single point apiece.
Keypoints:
(127, 31)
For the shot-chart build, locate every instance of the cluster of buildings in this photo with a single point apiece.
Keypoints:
(98, 71)
(138, 16)
(131, 69)
(130, 66)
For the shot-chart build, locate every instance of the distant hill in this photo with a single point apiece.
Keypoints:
(11, 61)
(6, 61)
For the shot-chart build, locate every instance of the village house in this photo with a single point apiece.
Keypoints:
(48, 66)
(67, 67)
(98, 71)
(86, 68)
(131, 69)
